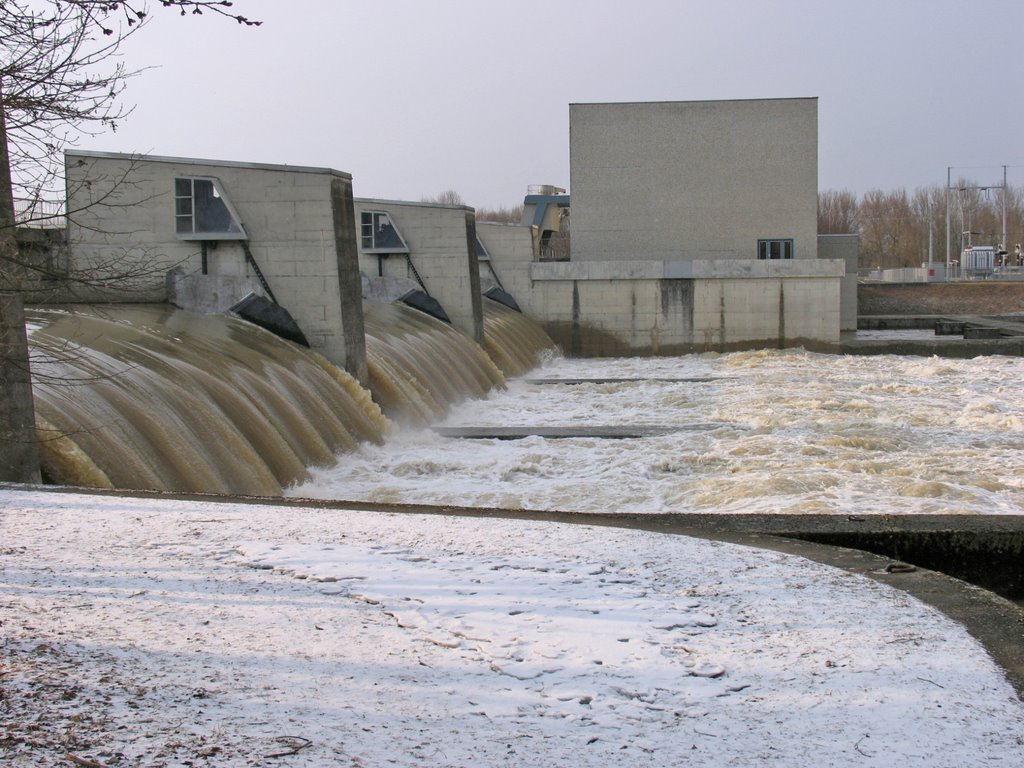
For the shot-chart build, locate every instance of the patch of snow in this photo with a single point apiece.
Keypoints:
(170, 633)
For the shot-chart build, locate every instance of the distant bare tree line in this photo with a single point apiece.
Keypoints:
(896, 227)
(502, 215)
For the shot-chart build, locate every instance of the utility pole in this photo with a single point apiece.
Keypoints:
(949, 172)
(1003, 241)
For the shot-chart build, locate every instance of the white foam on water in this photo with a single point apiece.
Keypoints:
(794, 432)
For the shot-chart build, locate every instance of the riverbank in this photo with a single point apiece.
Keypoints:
(166, 631)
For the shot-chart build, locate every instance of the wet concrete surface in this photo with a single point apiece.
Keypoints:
(976, 335)
(685, 380)
(609, 432)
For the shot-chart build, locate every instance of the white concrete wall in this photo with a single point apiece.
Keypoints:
(692, 180)
(652, 307)
(905, 275)
(511, 247)
(123, 219)
(847, 248)
(438, 245)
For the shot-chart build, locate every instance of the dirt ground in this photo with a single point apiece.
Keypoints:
(975, 298)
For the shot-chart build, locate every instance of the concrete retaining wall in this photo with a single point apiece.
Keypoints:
(633, 308)
(967, 298)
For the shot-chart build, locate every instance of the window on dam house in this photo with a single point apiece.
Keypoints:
(775, 249)
(481, 251)
(378, 234)
(203, 212)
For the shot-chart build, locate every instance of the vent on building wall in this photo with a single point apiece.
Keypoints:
(424, 303)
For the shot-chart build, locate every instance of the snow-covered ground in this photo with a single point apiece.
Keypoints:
(171, 633)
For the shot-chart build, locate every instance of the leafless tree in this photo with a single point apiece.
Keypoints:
(501, 215)
(448, 197)
(837, 212)
(59, 78)
(898, 229)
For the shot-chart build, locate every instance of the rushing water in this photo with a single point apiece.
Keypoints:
(155, 398)
(150, 397)
(420, 367)
(786, 431)
(515, 343)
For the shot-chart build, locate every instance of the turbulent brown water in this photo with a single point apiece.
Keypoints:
(514, 342)
(149, 397)
(788, 432)
(419, 366)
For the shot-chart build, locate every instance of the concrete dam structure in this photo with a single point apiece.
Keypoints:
(154, 398)
(691, 400)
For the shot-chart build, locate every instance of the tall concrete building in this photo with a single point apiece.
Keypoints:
(694, 226)
(688, 181)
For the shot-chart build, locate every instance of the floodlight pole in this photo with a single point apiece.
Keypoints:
(1004, 244)
(949, 176)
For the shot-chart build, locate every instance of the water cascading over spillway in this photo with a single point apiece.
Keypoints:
(151, 397)
(514, 341)
(419, 366)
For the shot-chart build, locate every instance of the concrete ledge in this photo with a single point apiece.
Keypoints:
(597, 270)
(708, 269)
(944, 346)
(890, 322)
(982, 335)
(685, 380)
(611, 432)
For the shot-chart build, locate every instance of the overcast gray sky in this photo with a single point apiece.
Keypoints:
(415, 97)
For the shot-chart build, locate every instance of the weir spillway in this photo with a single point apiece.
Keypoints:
(156, 398)
(150, 397)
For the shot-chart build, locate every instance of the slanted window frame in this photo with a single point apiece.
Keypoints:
(368, 228)
(482, 254)
(185, 212)
(776, 248)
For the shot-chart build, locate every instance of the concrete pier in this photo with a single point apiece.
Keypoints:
(609, 432)
(959, 336)
(685, 380)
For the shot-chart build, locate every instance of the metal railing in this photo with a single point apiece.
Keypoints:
(39, 214)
